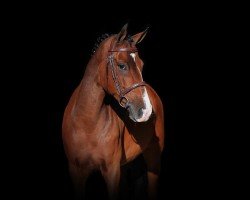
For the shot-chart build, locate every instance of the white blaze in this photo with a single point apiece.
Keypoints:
(146, 113)
(133, 55)
(148, 108)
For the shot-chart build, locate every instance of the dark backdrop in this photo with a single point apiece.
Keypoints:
(52, 47)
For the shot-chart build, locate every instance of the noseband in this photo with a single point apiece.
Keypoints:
(123, 101)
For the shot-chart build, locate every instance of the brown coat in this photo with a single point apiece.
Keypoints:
(99, 134)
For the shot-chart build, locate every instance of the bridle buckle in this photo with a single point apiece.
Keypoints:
(123, 102)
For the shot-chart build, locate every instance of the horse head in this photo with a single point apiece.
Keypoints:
(120, 73)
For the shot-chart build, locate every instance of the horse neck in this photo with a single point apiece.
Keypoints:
(91, 95)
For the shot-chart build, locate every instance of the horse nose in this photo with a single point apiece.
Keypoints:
(140, 113)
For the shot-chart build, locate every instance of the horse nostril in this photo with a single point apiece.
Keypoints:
(140, 112)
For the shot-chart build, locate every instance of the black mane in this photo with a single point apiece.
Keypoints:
(99, 40)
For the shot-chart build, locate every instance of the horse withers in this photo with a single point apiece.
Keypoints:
(101, 134)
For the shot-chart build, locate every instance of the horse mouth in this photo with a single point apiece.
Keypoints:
(132, 118)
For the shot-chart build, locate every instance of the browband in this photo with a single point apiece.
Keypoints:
(124, 50)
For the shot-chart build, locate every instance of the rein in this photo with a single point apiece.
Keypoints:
(123, 101)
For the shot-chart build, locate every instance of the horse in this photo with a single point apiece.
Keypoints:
(113, 116)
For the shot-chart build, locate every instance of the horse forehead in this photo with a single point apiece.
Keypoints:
(123, 55)
(126, 54)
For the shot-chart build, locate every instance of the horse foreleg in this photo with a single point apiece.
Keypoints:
(78, 177)
(152, 156)
(111, 175)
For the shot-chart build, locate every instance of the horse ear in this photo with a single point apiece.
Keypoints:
(122, 34)
(137, 38)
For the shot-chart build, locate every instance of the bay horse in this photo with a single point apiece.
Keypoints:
(101, 134)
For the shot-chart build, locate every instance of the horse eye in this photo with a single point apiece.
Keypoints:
(122, 66)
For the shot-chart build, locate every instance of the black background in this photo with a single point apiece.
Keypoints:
(52, 45)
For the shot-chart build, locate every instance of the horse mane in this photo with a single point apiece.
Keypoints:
(99, 40)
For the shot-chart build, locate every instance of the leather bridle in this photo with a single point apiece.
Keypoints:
(123, 101)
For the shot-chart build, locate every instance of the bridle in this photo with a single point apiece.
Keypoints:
(123, 101)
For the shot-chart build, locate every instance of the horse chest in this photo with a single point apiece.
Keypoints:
(136, 140)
